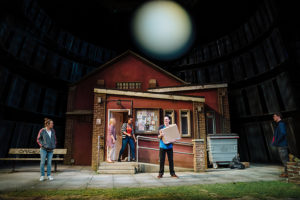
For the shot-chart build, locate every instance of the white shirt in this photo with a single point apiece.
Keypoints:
(49, 132)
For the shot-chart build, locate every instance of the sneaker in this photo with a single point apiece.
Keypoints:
(42, 178)
(50, 178)
(159, 176)
(174, 176)
(284, 175)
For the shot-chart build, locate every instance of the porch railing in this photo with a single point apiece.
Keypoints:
(144, 138)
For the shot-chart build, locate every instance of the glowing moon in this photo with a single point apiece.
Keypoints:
(162, 29)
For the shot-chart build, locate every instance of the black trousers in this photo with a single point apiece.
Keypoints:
(162, 156)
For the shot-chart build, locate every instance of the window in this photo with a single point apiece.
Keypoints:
(210, 122)
(129, 85)
(185, 123)
(171, 114)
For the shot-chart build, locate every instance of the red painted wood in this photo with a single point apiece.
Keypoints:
(152, 156)
(211, 96)
(82, 143)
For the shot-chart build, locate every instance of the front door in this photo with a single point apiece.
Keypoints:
(82, 140)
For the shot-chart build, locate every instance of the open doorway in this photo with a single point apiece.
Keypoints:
(121, 116)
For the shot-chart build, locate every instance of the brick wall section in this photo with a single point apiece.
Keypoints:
(196, 133)
(224, 109)
(200, 160)
(199, 142)
(98, 130)
(202, 124)
(293, 172)
(199, 120)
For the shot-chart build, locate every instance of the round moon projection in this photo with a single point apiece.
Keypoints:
(162, 29)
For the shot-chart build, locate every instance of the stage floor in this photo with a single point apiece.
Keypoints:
(26, 177)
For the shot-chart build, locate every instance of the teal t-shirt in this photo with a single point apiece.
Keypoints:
(162, 144)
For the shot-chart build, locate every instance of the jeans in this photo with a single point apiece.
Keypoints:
(162, 156)
(125, 141)
(284, 156)
(49, 155)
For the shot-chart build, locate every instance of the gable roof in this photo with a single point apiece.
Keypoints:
(118, 58)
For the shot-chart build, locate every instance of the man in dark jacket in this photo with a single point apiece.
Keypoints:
(47, 142)
(280, 141)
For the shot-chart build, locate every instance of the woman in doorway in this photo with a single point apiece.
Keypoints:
(47, 142)
(128, 137)
(111, 140)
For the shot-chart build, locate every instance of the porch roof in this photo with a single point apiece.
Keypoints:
(151, 95)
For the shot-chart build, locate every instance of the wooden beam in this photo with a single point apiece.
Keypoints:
(150, 95)
(188, 88)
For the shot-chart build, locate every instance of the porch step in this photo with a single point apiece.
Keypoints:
(118, 168)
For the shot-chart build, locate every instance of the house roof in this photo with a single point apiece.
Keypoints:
(188, 88)
(151, 95)
(118, 58)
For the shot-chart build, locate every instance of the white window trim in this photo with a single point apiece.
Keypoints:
(188, 123)
(172, 116)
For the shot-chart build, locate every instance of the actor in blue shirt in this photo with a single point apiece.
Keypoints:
(163, 149)
(280, 141)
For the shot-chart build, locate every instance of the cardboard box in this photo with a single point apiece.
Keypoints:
(171, 133)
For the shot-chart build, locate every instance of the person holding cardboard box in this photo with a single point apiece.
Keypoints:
(165, 148)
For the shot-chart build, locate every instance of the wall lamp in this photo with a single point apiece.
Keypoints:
(99, 100)
(200, 109)
(119, 102)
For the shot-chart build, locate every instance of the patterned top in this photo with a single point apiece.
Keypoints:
(128, 128)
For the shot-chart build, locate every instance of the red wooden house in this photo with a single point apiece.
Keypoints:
(130, 84)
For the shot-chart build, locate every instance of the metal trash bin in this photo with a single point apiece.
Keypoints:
(222, 148)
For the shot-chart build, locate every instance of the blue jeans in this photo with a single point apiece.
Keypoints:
(125, 141)
(49, 155)
(284, 156)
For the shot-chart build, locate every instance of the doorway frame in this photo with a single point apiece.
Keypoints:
(109, 111)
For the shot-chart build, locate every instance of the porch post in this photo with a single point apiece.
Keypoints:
(98, 130)
(199, 155)
(199, 141)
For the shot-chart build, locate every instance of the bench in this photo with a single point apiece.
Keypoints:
(33, 151)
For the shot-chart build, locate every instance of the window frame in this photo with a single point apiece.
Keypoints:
(188, 122)
(173, 119)
(213, 121)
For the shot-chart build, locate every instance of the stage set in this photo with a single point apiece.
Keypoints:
(131, 85)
